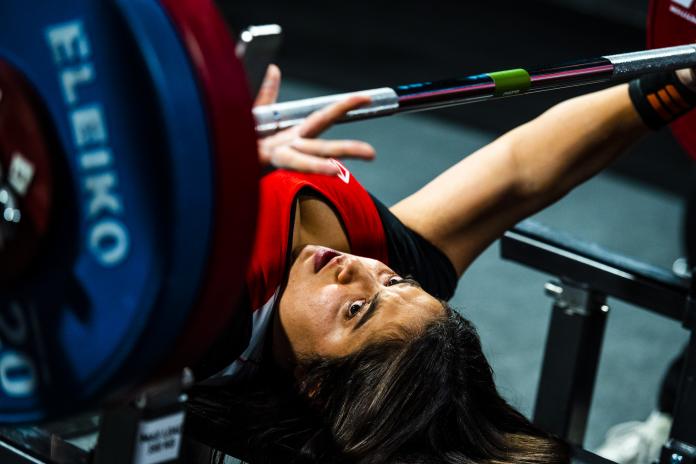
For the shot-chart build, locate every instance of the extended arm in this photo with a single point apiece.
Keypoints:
(471, 204)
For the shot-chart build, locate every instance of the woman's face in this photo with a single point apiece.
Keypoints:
(334, 303)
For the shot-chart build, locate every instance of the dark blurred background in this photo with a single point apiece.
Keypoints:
(363, 44)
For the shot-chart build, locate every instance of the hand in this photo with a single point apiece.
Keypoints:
(297, 148)
(688, 78)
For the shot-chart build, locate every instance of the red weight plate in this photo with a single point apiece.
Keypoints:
(673, 22)
(233, 137)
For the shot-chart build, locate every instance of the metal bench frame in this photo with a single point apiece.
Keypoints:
(587, 274)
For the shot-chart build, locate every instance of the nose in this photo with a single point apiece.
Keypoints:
(352, 269)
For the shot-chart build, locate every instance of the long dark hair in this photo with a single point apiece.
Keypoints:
(426, 397)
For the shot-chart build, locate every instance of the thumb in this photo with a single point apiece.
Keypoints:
(268, 93)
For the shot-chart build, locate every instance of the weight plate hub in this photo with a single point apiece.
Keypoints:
(673, 22)
(124, 239)
(26, 181)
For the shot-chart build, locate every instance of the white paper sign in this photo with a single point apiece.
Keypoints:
(159, 440)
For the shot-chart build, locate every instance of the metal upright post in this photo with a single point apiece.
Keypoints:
(681, 446)
(573, 346)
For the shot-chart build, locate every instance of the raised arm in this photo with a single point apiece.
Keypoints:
(471, 204)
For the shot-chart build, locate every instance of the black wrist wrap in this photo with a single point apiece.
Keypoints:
(661, 98)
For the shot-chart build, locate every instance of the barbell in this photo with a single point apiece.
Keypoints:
(128, 183)
(422, 96)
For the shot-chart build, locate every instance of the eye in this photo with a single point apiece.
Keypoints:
(355, 308)
(393, 280)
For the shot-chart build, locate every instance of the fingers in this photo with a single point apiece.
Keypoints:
(268, 93)
(334, 148)
(289, 158)
(687, 77)
(320, 120)
(288, 149)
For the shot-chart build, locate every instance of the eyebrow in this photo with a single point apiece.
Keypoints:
(374, 304)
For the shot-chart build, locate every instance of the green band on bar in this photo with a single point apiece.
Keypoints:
(510, 82)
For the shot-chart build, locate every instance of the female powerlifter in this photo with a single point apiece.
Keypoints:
(349, 351)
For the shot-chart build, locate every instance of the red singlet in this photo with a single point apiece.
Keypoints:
(269, 260)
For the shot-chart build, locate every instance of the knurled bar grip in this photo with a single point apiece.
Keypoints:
(430, 95)
(272, 118)
(630, 65)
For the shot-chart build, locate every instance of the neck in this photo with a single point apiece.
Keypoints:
(316, 223)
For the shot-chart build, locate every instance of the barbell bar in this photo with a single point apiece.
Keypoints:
(479, 87)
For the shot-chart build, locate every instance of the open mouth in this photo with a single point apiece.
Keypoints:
(323, 256)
